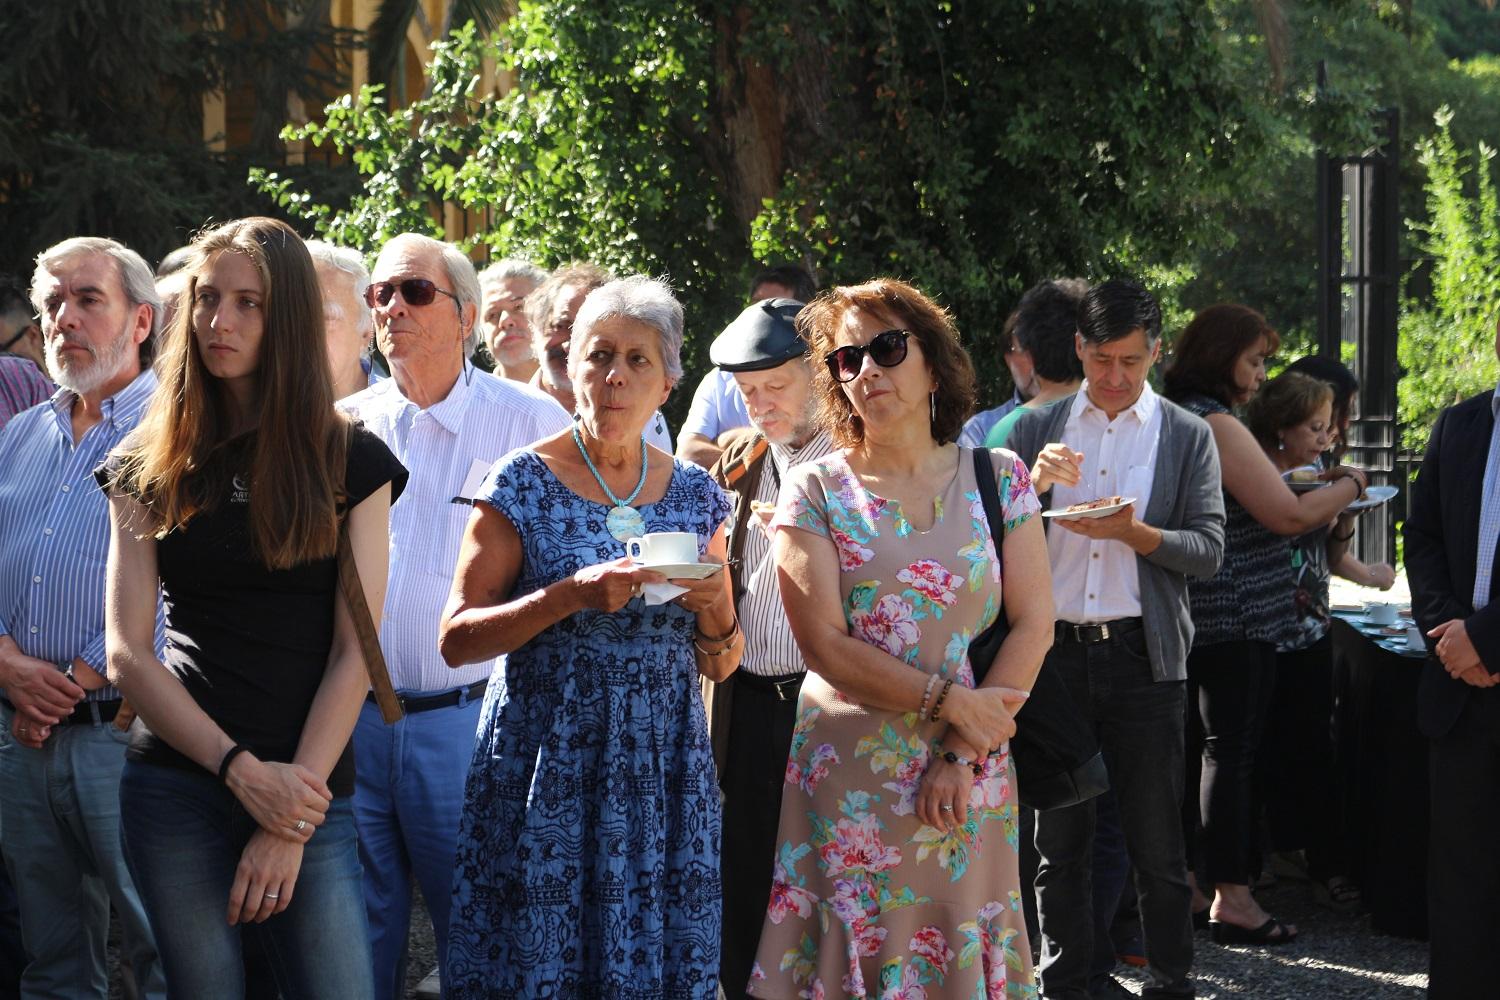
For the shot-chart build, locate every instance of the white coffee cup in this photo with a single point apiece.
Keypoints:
(1414, 639)
(1381, 614)
(664, 548)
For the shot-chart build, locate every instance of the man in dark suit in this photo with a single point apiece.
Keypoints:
(1451, 535)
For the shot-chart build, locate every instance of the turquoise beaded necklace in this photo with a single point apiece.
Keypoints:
(623, 520)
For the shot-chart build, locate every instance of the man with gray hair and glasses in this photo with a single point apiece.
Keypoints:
(346, 319)
(502, 316)
(61, 718)
(447, 422)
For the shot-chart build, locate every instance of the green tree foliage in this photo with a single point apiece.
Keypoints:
(1447, 346)
(101, 113)
(1377, 54)
(972, 148)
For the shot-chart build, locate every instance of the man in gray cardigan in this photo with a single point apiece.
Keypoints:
(1120, 584)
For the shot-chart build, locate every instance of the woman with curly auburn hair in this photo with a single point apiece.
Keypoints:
(235, 802)
(898, 868)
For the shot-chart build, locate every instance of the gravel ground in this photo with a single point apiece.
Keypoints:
(1334, 956)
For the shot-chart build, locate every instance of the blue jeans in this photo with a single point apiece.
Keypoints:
(408, 799)
(60, 832)
(184, 833)
(1139, 722)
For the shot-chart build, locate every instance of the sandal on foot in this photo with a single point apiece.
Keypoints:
(1272, 932)
(1338, 894)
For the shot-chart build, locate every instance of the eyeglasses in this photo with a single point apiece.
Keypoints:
(886, 349)
(414, 292)
(18, 335)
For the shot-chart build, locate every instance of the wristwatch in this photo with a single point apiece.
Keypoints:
(67, 669)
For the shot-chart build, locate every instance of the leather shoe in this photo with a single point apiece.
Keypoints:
(1108, 988)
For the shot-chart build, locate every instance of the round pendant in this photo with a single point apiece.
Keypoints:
(625, 523)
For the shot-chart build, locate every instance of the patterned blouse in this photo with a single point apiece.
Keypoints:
(1251, 595)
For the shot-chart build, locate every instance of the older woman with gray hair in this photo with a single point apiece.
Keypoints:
(588, 856)
(343, 278)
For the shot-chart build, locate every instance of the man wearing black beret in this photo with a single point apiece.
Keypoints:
(751, 714)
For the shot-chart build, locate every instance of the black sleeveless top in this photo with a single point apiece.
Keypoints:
(1252, 595)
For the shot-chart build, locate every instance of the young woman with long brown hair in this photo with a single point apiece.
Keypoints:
(235, 799)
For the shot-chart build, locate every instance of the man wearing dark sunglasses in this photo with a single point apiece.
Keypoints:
(448, 423)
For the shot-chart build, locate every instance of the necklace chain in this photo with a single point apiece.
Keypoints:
(578, 440)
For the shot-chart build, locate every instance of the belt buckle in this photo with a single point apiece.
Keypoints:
(781, 694)
(1103, 631)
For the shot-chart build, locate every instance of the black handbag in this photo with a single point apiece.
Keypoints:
(1057, 758)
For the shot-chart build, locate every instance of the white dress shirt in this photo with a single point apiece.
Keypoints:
(1096, 580)
(447, 448)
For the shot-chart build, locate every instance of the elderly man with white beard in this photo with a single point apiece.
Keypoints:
(60, 719)
(752, 712)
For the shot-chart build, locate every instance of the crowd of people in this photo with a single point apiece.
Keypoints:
(289, 624)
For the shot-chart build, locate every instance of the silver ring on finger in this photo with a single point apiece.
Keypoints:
(945, 807)
(273, 895)
(300, 825)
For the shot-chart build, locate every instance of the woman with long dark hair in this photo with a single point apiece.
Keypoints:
(230, 497)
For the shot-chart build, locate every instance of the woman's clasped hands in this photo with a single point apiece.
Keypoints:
(287, 800)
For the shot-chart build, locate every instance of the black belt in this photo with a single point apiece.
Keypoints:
(426, 703)
(784, 686)
(1096, 632)
(86, 712)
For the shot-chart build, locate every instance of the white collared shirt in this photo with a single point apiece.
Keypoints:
(1097, 580)
(447, 448)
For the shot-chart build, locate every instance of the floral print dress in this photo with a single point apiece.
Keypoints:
(866, 900)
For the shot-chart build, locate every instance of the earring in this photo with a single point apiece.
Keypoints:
(932, 406)
(1281, 444)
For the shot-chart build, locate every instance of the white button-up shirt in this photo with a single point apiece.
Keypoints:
(1096, 580)
(447, 448)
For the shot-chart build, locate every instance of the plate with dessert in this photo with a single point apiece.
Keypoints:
(1102, 507)
(1308, 477)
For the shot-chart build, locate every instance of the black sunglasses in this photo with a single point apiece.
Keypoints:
(414, 292)
(886, 349)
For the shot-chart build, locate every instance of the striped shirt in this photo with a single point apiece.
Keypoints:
(54, 528)
(22, 386)
(770, 650)
(448, 448)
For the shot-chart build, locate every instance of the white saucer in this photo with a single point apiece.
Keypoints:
(1374, 497)
(684, 571)
(1078, 515)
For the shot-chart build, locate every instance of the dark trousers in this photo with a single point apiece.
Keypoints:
(1111, 873)
(1229, 692)
(1463, 884)
(1296, 761)
(1139, 724)
(760, 736)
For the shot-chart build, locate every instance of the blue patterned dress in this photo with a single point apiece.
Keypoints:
(588, 853)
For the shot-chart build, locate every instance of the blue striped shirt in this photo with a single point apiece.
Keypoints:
(54, 528)
(447, 448)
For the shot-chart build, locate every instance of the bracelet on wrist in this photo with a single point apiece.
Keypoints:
(975, 767)
(229, 756)
(937, 706)
(927, 695)
(1341, 538)
(698, 633)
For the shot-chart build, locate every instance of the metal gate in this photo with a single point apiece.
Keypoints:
(1359, 268)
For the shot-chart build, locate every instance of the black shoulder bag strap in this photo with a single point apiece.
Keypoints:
(1057, 757)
